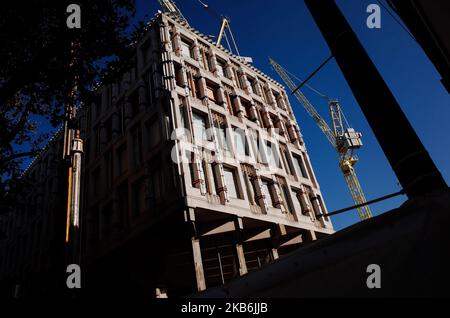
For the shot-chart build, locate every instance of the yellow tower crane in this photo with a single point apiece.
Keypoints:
(343, 138)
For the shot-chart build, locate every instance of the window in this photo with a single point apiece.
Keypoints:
(308, 167)
(208, 62)
(221, 136)
(241, 142)
(248, 110)
(300, 167)
(220, 66)
(122, 160)
(211, 92)
(199, 123)
(109, 169)
(220, 130)
(286, 160)
(285, 195)
(136, 137)
(230, 100)
(153, 133)
(266, 186)
(278, 100)
(186, 49)
(237, 77)
(254, 85)
(272, 155)
(230, 181)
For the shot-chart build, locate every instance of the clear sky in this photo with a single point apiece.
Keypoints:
(285, 30)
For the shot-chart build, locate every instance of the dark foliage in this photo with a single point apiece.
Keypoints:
(34, 74)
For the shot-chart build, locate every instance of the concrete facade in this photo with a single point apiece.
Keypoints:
(170, 226)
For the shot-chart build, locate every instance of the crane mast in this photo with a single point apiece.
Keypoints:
(343, 139)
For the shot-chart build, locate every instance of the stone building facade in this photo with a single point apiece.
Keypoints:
(194, 172)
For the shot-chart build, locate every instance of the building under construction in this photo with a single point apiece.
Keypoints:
(177, 193)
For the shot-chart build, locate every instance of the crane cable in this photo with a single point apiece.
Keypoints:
(220, 18)
(320, 94)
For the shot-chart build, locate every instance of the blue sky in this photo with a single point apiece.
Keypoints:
(286, 31)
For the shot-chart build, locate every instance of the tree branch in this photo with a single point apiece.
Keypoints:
(19, 126)
(16, 156)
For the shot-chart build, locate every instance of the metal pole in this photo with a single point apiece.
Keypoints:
(405, 152)
(73, 150)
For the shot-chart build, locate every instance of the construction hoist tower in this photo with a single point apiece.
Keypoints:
(343, 138)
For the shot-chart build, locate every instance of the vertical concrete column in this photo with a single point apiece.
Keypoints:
(198, 264)
(164, 35)
(259, 90)
(196, 49)
(142, 91)
(116, 217)
(317, 209)
(241, 259)
(168, 71)
(245, 83)
(270, 97)
(239, 109)
(281, 102)
(240, 248)
(126, 83)
(199, 174)
(221, 185)
(115, 123)
(280, 125)
(202, 90)
(229, 71)
(293, 134)
(184, 78)
(160, 292)
(266, 118)
(222, 100)
(274, 252)
(277, 195)
(114, 93)
(306, 207)
(128, 110)
(213, 61)
(254, 112)
(103, 135)
(260, 197)
(176, 40)
(312, 235)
